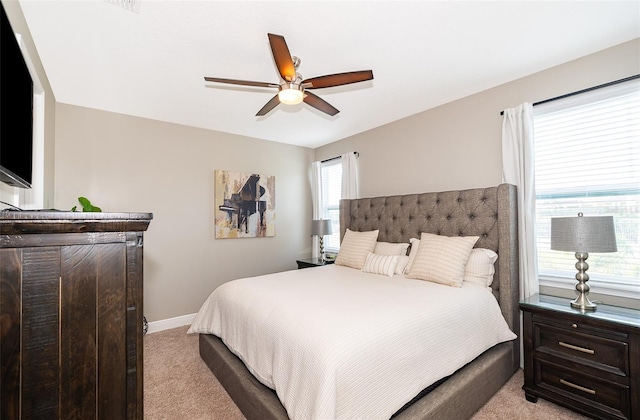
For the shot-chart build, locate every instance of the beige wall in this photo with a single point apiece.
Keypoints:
(123, 163)
(458, 145)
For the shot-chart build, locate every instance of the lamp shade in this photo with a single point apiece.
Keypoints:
(583, 234)
(321, 227)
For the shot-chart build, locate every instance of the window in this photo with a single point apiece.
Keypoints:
(331, 172)
(587, 159)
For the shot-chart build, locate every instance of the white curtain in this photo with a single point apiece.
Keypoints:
(518, 168)
(316, 194)
(349, 175)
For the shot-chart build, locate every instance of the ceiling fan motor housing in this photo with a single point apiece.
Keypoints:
(291, 93)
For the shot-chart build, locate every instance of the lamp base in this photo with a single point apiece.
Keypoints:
(582, 302)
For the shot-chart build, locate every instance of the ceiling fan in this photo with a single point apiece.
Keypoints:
(292, 89)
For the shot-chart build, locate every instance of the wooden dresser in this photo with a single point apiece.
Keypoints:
(586, 361)
(71, 315)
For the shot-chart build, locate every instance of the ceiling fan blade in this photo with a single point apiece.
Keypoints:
(282, 57)
(320, 104)
(268, 106)
(338, 79)
(240, 82)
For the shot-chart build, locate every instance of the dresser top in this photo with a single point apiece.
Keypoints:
(50, 221)
(627, 316)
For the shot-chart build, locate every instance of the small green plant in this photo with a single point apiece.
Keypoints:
(86, 205)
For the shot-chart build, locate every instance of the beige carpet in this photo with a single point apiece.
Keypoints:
(179, 385)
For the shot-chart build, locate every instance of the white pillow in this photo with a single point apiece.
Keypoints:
(480, 268)
(390, 248)
(415, 243)
(355, 247)
(403, 260)
(380, 264)
(442, 259)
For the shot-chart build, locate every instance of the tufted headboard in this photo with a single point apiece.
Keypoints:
(490, 213)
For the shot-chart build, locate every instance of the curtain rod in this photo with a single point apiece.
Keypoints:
(338, 157)
(567, 95)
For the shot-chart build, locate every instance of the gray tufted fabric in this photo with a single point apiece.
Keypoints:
(490, 213)
(451, 213)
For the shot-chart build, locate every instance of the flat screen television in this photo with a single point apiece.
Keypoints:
(16, 110)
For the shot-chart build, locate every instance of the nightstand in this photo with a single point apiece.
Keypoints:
(586, 361)
(313, 262)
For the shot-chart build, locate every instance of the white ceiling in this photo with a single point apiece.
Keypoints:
(423, 54)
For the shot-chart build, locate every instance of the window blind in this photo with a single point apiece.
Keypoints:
(587, 159)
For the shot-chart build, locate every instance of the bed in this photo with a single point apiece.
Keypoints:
(486, 213)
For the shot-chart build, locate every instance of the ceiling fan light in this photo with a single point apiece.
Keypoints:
(290, 96)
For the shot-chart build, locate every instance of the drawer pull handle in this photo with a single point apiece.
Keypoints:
(572, 347)
(581, 388)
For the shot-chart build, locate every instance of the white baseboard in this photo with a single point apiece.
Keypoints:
(167, 324)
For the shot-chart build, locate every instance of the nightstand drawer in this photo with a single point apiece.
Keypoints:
(610, 399)
(598, 352)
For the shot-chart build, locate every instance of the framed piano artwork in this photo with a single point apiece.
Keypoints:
(244, 205)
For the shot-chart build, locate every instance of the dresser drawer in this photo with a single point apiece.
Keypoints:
(609, 398)
(596, 351)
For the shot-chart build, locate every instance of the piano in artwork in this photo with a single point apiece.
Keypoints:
(246, 202)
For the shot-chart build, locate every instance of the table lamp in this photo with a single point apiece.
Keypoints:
(321, 227)
(583, 235)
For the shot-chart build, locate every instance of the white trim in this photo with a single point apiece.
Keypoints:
(169, 323)
(594, 297)
(603, 285)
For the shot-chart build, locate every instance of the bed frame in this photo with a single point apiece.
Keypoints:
(491, 214)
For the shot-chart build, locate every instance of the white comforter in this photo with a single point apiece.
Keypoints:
(337, 343)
